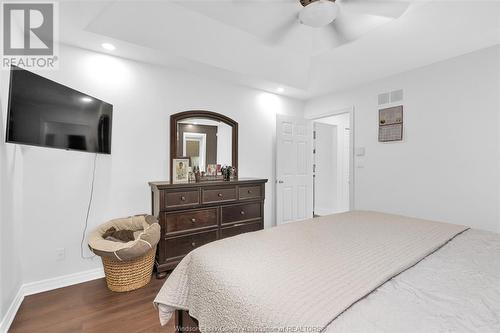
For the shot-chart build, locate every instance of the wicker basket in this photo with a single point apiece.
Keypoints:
(124, 276)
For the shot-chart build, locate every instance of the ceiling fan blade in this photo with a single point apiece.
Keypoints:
(348, 27)
(386, 8)
(283, 28)
(341, 31)
(331, 36)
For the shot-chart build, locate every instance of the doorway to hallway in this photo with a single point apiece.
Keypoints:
(331, 164)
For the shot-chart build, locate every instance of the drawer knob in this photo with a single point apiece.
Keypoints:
(249, 191)
(220, 195)
(242, 212)
(193, 220)
(193, 244)
(183, 198)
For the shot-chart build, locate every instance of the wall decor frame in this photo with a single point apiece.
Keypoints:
(390, 124)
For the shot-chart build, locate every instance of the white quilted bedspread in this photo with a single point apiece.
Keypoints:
(456, 289)
(299, 276)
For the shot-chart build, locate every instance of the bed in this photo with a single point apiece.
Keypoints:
(351, 272)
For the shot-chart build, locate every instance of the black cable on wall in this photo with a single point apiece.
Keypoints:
(88, 211)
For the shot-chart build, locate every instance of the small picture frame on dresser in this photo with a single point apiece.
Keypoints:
(181, 174)
(212, 170)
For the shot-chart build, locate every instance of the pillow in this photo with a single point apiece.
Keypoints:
(114, 235)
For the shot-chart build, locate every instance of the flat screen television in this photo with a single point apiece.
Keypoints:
(45, 113)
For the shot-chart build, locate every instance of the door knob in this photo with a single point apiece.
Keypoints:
(280, 182)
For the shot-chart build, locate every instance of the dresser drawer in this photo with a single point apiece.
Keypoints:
(243, 212)
(183, 198)
(180, 246)
(188, 220)
(240, 228)
(250, 192)
(214, 195)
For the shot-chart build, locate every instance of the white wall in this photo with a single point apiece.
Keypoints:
(10, 221)
(448, 166)
(55, 184)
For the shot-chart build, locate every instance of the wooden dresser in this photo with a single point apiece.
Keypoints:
(194, 214)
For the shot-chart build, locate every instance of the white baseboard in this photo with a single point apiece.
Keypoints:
(9, 316)
(46, 285)
(61, 281)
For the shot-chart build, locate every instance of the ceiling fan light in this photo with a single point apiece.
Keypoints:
(319, 13)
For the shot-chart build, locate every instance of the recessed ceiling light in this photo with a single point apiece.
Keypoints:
(280, 89)
(108, 46)
(86, 99)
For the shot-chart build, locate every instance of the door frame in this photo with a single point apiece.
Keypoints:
(352, 177)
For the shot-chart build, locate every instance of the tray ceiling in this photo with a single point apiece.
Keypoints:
(258, 44)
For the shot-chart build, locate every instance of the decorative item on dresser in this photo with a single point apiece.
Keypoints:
(194, 214)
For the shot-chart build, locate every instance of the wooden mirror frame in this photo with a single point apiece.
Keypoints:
(175, 118)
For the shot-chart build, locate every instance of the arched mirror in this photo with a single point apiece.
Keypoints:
(205, 138)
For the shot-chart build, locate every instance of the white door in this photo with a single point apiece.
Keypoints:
(294, 199)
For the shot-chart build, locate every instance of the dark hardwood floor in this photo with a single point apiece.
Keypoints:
(90, 307)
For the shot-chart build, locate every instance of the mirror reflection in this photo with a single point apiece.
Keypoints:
(205, 142)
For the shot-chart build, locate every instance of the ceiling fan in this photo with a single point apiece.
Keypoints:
(346, 18)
